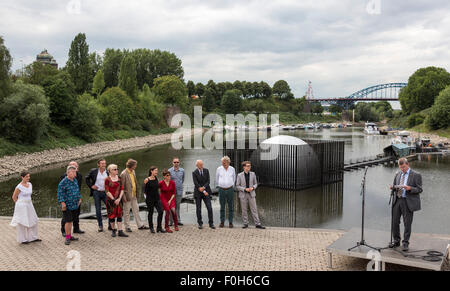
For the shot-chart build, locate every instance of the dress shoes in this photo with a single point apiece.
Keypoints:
(260, 226)
(230, 225)
(79, 231)
(405, 247)
(394, 244)
(222, 225)
(200, 226)
(245, 226)
(122, 234)
(212, 226)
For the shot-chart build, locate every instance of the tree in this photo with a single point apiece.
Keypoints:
(24, 114)
(127, 76)
(78, 64)
(95, 64)
(231, 101)
(36, 73)
(117, 108)
(317, 108)
(366, 112)
(191, 88)
(265, 90)
(150, 110)
(5, 66)
(298, 105)
(199, 89)
(111, 66)
(282, 90)
(423, 87)
(61, 96)
(171, 90)
(439, 116)
(208, 100)
(86, 121)
(98, 84)
(335, 108)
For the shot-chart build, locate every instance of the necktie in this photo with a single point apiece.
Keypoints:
(400, 191)
(201, 173)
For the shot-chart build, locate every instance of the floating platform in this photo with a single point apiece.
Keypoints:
(420, 244)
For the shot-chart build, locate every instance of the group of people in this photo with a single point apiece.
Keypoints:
(120, 193)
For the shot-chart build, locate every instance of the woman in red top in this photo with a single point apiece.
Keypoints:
(114, 193)
(167, 188)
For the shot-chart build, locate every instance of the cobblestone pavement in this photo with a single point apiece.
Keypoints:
(189, 249)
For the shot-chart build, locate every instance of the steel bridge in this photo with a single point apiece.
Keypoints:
(382, 92)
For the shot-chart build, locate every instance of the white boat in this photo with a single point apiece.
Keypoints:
(309, 126)
(371, 128)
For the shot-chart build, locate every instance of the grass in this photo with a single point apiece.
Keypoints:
(60, 137)
(444, 132)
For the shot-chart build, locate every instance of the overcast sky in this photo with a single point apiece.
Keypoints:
(341, 46)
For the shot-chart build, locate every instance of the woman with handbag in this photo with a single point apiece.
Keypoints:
(114, 206)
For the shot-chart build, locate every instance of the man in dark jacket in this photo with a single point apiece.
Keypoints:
(95, 180)
(202, 191)
(407, 188)
(76, 219)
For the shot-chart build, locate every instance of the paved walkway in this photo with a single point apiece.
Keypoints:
(189, 249)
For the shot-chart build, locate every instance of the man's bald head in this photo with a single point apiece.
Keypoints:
(199, 164)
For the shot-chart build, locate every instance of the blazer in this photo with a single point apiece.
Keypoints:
(128, 186)
(91, 178)
(241, 184)
(201, 181)
(412, 196)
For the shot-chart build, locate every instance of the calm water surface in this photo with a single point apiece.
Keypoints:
(334, 206)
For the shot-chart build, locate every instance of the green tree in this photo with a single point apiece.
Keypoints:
(5, 66)
(98, 84)
(265, 90)
(111, 66)
(439, 116)
(231, 101)
(317, 108)
(150, 110)
(366, 112)
(95, 64)
(78, 64)
(127, 76)
(24, 114)
(171, 90)
(191, 88)
(335, 108)
(61, 98)
(117, 108)
(199, 89)
(36, 73)
(282, 90)
(208, 100)
(423, 87)
(86, 121)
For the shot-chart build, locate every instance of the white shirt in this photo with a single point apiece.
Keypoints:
(100, 182)
(25, 193)
(225, 178)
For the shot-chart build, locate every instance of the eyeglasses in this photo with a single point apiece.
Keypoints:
(176, 162)
(115, 169)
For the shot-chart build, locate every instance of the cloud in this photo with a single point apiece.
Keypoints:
(336, 44)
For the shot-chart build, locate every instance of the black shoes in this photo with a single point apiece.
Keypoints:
(143, 227)
(260, 226)
(230, 225)
(212, 226)
(78, 231)
(122, 234)
(109, 227)
(67, 242)
(114, 233)
(245, 226)
(179, 223)
(152, 230)
(73, 238)
(394, 244)
(221, 225)
(200, 226)
(159, 229)
(100, 229)
(405, 247)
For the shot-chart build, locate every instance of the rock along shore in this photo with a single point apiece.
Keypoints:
(13, 165)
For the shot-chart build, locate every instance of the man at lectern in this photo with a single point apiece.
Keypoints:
(407, 188)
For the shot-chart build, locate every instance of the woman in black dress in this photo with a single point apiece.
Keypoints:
(153, 200)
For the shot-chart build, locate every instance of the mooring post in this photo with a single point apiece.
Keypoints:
(330, 260)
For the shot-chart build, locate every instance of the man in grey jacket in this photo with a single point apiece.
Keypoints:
(246, 184)
(407, 188)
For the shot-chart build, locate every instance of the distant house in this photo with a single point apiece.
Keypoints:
(45, 58)
(195, 97)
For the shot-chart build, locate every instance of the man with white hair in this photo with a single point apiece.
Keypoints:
(202, 191)
(76, 218)
(225, 180)
(70, 199)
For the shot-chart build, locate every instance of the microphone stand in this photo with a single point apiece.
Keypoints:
(362, 242)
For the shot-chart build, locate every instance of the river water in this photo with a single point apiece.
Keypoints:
(333, 206)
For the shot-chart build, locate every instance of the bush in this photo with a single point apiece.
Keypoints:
(86, 121)
(116, 108)
(62, 99)
(24, 115)
(439, 116)
(149, 110)
(415, 119)
(231, 101)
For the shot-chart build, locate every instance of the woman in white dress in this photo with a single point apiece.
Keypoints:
(25, 219)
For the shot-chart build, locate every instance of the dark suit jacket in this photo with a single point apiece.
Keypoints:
(91, 178)
(201, 181)
(412, 196)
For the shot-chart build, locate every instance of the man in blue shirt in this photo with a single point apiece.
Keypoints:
(70, 199)
(177, 175)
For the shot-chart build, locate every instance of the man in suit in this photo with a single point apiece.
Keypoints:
(407, 188)
(246, 184)
(203, 192)
(131, 193)
(95, 180)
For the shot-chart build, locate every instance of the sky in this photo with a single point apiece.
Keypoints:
(341, 46)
